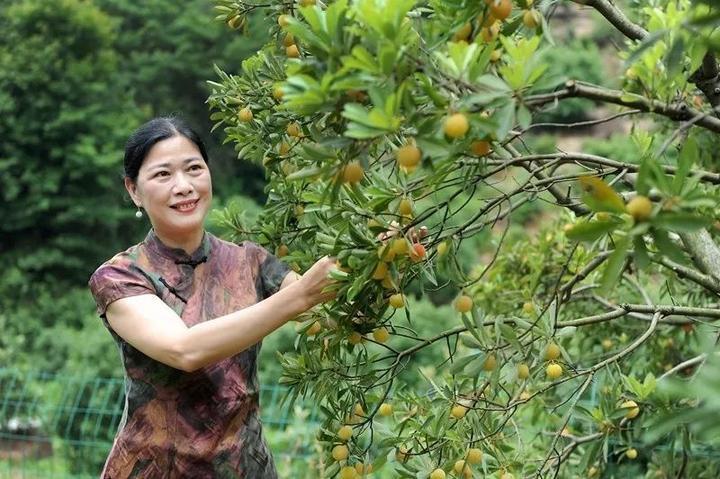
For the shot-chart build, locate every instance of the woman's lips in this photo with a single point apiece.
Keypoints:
(186, 208)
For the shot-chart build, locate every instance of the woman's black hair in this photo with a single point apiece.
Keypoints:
(155, 130)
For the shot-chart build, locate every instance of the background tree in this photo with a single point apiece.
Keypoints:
(374, 118)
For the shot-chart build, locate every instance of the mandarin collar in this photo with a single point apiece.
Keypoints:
(178, 255)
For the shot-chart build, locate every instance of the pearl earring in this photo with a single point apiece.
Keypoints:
(138, 213)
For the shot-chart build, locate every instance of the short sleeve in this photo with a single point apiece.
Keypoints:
(111, 282)
(271, 270)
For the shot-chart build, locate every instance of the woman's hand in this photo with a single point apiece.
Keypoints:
(316, 279)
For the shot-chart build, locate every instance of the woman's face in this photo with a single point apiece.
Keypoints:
(174, 187)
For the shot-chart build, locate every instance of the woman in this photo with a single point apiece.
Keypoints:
(188, 312)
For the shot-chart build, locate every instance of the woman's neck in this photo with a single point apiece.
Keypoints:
(187, 242)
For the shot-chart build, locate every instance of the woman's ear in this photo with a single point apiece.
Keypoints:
(131, 188)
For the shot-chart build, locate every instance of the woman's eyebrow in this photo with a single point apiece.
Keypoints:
(168, 164)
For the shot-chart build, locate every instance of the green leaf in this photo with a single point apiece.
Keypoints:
(615, 264)
(460, 364)
(592, 230)
(688, 155)
(505, 118)
(666, 247)
(640, 254)
(680, 222)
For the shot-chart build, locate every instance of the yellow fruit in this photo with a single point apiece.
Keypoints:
(463, 303)
(340, 452)
(474, 456)
(397, 301)
(490, 363)
(348, 472)
(442, 249)
(236, 22)
(524, 396)
(437, 474)
(490, 33)
(460, 467)
(602, 216)
(607, 343)
(282, 250)
(386, 253)
(507, 475)
(381, 334)
(631, 453)
(456, 125)
(531, 18)
(245, 115)
(299, 210)
(632, 407)
(405, 207)
(307, 3)
(523, 371)
(278, 93)
(458, 411)
(463, 33)
(495, 55)
(292, 51)
(501, 9)
(363, 468)
(353, 172)
(314, 329)
(408, 156)
(380, 272)
(284, 20)
(400, 246)
(355, 338)
(385, 409)
(639, 208)
(631, 74)
(480, 147)
(283, 149)
(552, 351)
(387, 283)
(345, 433)
(554, 371)
(293, 129)
(528, 307)
(592, 472)
(288, 40)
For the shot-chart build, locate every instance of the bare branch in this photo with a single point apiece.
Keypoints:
(616, 17)
(678, 111)
(706, 281)
(584, 158)
(683, 365)
(705, 253)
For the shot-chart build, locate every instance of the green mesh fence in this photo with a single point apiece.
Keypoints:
(59, 426)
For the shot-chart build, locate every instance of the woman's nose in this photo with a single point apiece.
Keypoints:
(182, 185)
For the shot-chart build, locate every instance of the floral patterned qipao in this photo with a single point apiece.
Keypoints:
(204, 424)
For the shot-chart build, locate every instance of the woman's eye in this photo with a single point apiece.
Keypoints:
(161, 173)
(196, 167)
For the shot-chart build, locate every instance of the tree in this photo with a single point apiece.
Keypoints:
(64, 120)
(374, 118)
(166, 54)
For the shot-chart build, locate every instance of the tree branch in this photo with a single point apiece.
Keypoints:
(572, 157)
(677, 111)
(616, 17)
(706, 281)
(705, 253)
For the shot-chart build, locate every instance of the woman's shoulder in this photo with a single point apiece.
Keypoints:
(245, 247)
(121, 260)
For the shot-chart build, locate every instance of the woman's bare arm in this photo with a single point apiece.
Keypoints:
(151, 326)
